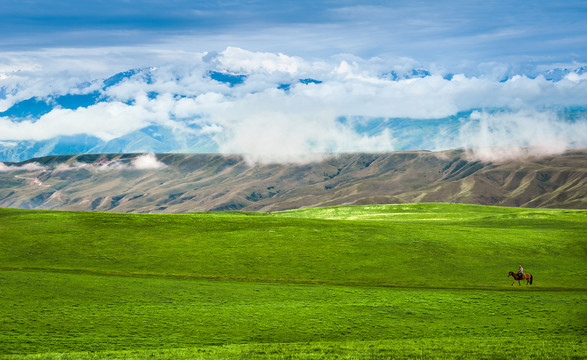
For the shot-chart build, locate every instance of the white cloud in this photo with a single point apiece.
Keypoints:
(242, 61)
(142, 162)
(75, 166)
(8, 143)
(25, 167)
(504, 136)
(274, 126)
(147, 162)
(106, 120)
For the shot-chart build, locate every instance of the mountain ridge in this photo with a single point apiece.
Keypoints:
(180, 183)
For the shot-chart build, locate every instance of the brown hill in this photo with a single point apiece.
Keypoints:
(204, 182)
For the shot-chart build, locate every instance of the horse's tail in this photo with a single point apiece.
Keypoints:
(531, 278)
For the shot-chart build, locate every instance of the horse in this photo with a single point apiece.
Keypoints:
(527, 277)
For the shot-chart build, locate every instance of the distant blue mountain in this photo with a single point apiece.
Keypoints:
(157, 139)
(36, 107)
(408, 134)
(150, 139)
(30, 108)
(414, 73)
(61, 145)
(559, 73)
(286, 87)
(230, 79)
(310, 81)
(116, 79)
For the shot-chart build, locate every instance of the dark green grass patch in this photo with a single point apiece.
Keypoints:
(55, 312)
(446, 348)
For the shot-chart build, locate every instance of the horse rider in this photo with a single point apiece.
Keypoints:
(520, 272)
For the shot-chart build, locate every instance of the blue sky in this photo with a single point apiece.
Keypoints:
(516, 68)
(450, 33)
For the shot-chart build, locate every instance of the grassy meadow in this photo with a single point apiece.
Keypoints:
(407, 281)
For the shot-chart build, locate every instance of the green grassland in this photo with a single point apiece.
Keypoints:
(408, 281)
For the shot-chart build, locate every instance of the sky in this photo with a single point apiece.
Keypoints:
(516, 67)
(449, 33)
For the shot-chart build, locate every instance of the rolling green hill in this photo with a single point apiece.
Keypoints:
(432, 245)
(364, 281)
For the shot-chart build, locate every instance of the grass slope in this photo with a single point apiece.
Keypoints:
(371, 281)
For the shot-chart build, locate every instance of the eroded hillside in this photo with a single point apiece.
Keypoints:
(178, 183)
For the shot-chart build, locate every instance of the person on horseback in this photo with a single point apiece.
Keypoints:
(520, 272)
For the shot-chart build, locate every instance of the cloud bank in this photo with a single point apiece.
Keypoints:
(147, 162)
(503, 136)
(275, 107)
(141, 162)
(25, 167)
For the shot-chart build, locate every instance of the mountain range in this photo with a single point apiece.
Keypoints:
(181, 183)
(408, 133)
(158, 138)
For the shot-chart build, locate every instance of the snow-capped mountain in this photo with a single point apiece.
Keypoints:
(266, 104)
